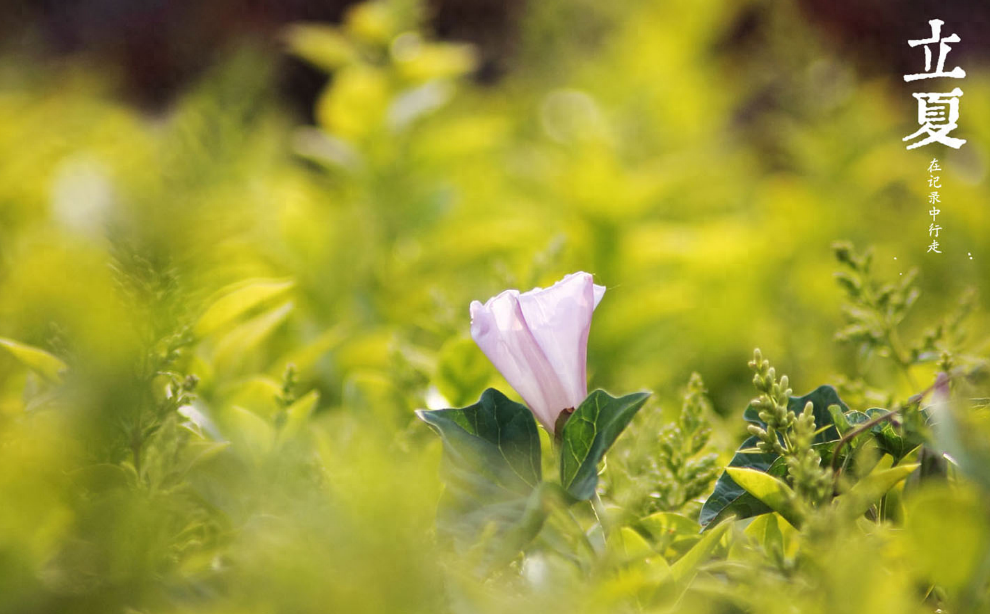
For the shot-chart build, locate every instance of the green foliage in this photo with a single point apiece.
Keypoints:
(664, 464)
(217, 323)
(770, 491)
(41, 362)
(588, 434)
(729, 498)
(492, 471)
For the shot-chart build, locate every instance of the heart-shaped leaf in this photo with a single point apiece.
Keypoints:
(491, 467)
(588, 434)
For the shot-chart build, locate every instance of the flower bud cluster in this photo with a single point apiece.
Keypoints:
(788, 434)
(771, 405)
(681, 444)
(811, 481)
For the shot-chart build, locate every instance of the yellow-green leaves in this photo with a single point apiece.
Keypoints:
(322, 46)
(948, 534)
(868, 490)
(771, 491)
(234, 347)
(46, 365)
(687, 566)
(237, 300)
(239, 318)
(298, 413)
(462, 371)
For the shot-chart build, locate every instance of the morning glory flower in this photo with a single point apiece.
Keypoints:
(538, 340)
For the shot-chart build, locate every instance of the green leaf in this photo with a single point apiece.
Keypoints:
(491, 469)
(236, 300)
(248, 431)
(298, 413)
(670, 530)
(839, 419)
(771, 491)
(730, 499)
(198, 452)
(948, 536)
(891, 441)
(41, 362)
(766, 531)
(687, 566)
(867, 491)
(322, 46)
(235, 346)
(632, 544)
(589, 433)
(462, 370)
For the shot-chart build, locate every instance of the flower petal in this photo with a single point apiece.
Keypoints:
(599, 293)
(501, 331)
(559, 318)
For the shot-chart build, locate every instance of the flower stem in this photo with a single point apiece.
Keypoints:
(599, 509)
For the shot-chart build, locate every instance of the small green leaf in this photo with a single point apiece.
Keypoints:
(247, 430)
(236, 300)
(198, 452)
(731, 499)
(867, 491)
(235, 346)
(766, 531)
(41, 362)
(461, 370)
(771, 491)
(687, 566)
(661, 525)
(634, 547)
(670, 531)
(298, 413)
(491, 469)
(322, 46)
(589, 433)
(839, 419)
(891, 441)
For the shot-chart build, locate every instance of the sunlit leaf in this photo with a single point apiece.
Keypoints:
(771, 491)
(299, 412)
(869, 489)
(236, 300)
(322, 46)
(686, 566)
(232, 349)
(41, 362)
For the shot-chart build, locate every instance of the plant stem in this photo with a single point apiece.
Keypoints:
(599, 509)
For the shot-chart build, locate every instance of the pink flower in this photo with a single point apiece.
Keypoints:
(538, 340)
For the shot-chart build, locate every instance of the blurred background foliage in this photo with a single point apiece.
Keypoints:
(242, 305)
